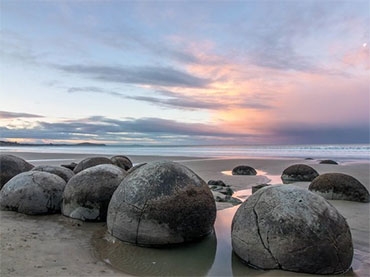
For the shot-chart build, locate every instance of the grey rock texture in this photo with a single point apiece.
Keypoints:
(298, 173)
(339, 186)
(89, 162)
(70, 166)
(61, 171)
(11, 166)
(244, 170)
(121, 161)
(293, 229)
(33, 192)
(87, 194)
(222, 192)
(161, 203)
(258, 187)
(220, 187)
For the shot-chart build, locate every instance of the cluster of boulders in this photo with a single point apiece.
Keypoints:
(287, 227)
(158, 203)
(164, 203)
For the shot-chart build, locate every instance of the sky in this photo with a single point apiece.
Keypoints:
(185, 72)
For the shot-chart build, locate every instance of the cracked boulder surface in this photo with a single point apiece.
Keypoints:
(293, 229)
(298, 173)
(87, 194)
(61, 171)
(339, 186)
(90, 162)
(161, 203)
(33, 192)
(11, 166)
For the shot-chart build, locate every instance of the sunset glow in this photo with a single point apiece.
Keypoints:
(181, 72)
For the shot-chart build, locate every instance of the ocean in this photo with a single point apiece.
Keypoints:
(324, 151)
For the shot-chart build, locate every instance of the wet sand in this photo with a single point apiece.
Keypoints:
(54, 245)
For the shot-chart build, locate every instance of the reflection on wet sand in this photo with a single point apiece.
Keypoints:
(212, 256)
(192, 259)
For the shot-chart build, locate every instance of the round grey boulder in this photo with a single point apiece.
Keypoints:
(61, 171)
(90, 162)
(293, 229)
(121, 161)
(161, 203)
(87, 194)
(298, 173)
(33, 192)
(339, 186)
(244, 170)
(11, 166)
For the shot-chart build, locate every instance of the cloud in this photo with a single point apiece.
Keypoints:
(98, 128)
(165, 131)
(142, 75)
(11, 115)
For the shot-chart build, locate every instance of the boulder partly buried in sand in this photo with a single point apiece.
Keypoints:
(121, 161)
(11, 166)
(33, 192)
(244, 170)
(87, 194)
(161, 203)
(328, 162)
(90, 162)
(298, 173)
(339, 186)
(61, 171)
(293, 229)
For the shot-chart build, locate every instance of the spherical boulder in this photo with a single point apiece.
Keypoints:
(339, 186)
(87, 194)
(61, 171)
(121, 161)
(33, 192)
(10, 166)
(298, 173)
(89, 162)
(293, 229)
(161, 203)
(244, 170)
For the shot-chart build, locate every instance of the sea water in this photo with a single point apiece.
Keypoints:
(324, 151)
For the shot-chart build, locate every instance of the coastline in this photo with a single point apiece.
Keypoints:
(57, 246)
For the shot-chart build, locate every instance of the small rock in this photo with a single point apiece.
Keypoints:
(244, 170)
(257, 187)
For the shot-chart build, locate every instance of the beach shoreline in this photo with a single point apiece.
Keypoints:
(54, 245)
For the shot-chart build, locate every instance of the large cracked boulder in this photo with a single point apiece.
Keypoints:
(161, 203)
(90, 162)
(61, 171)
(298, 173)
(339, 186)
(244, 170)
(33, 192)
(11, 166)
(293, 229)
(121, 161)
(87, 194)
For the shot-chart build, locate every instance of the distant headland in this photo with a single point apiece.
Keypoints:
(14, 143)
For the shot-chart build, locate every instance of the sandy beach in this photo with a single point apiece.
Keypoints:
(55, 245)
